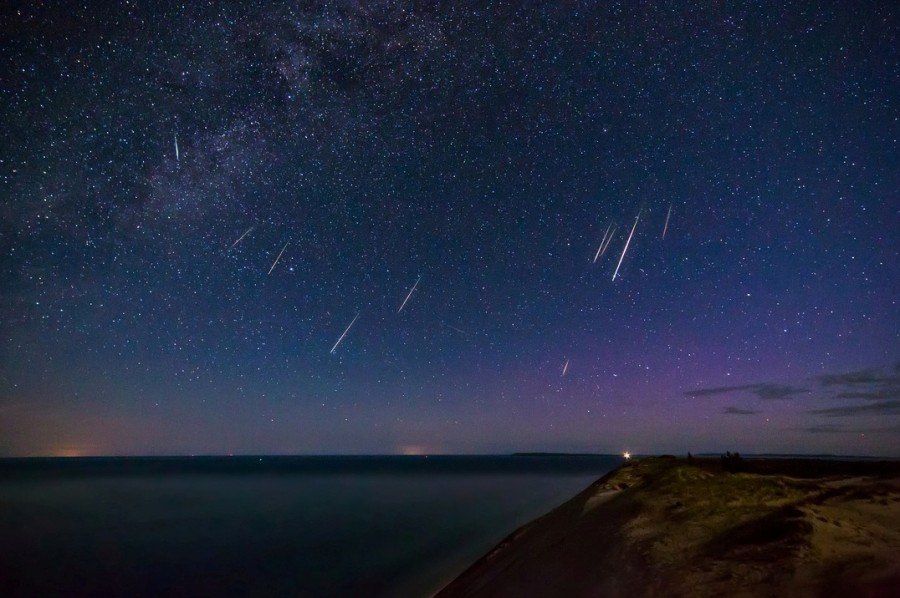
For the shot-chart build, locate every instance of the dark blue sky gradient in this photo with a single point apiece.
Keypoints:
(485, 147)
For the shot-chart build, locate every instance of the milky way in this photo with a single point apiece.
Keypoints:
(197, 199)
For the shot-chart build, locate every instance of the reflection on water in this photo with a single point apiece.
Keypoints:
(317, 526)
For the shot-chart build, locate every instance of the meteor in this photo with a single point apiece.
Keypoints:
(461, 331)
(565, 367)
(624, 249)
(409, 295)
(602, 241)
(609, 240)
(666, 226)
(345, 334)
(241, 237)
(275, 263)
(177, 154)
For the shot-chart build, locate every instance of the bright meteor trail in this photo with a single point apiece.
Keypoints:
(275, 263)
(602, 241)
(624, 249)
(666, 226)
(409, 295)
(345, 334)
(609, 240)
(242, 237)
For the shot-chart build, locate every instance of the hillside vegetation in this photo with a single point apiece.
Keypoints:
(666, 526)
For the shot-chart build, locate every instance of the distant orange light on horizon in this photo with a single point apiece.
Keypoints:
(414, 449)
(72, 451)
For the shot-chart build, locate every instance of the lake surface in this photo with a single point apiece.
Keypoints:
(285, 526)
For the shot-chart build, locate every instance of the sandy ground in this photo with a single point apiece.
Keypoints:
(664, 526)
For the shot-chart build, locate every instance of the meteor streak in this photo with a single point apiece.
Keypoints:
(565, 367)
(602, 241)
(609, 240)
(241, 237)
(345, 334)
(409, 295)
(461, 331)
(666, 226)
(624, 249)
(275, 263)
(177, 153)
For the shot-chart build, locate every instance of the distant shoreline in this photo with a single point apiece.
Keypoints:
(306, 464)
(20, 458)
(550, 454)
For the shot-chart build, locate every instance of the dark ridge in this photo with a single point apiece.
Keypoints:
(803, 467)
(696, 527)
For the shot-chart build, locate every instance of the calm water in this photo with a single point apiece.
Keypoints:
(318, 526)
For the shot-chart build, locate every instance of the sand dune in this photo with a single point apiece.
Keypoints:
(667, 527)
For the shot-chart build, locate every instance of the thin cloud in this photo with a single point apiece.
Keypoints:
(866, 376)
(833, 429)
(739, 411)
(716, 390)
(882, 408)
(777, 391)
(871, 384)
(879, 394)
(763, 390)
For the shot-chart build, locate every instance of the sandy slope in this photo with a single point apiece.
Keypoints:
(665, 527)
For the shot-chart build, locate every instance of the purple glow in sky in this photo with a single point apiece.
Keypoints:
(480, 151)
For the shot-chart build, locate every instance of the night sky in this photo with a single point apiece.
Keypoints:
(483, 150)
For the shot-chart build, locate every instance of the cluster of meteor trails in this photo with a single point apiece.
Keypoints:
(608, 235)
(604, 245)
